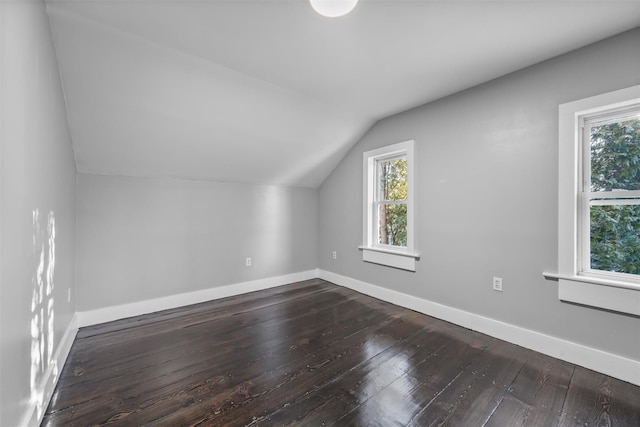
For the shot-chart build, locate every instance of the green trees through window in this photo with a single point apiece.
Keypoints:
(392, 206)
(615, 223)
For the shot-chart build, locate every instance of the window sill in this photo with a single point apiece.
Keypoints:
(623, 297)
(390, 258)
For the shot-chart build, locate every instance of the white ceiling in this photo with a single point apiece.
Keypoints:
(268, 92)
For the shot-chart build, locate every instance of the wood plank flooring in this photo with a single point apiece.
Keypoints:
(316, 354)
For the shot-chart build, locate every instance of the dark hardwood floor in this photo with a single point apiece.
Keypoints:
(316, 354)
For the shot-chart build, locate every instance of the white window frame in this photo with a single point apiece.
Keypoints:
(393, 256)
(603, 198)
(612, 291)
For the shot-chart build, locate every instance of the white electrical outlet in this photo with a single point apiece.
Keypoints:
(335, 255)
(68, 294)
(247, 262)
(497, 284)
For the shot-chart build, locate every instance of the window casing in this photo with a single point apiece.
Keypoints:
(388, 213)
(581, 279)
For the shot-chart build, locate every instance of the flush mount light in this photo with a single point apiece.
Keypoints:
(333, 8)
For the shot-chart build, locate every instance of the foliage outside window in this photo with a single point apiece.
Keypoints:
(611, 193)
(392, 202)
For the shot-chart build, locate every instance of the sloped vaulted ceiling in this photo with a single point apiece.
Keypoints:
(269, 92)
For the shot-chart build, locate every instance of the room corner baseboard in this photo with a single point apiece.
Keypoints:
(42, 395)
(109, 314)
(607, 363)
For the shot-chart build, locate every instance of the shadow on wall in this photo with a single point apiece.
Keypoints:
(42, 306)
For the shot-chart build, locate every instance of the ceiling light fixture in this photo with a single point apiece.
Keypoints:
(333, 8)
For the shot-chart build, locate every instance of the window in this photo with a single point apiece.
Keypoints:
(388, 206)
(609, 217)
(599, 201)
(390, 202)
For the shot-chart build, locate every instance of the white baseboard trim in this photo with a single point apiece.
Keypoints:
(40, 399)
(108, 314)
(588, 357)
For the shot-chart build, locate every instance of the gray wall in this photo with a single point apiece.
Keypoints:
(487, 197)
(142, 238)
(37, 175)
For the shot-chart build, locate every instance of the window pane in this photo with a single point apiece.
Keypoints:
(615, 238)
(392, 224)
(615, 156)
(392, 179)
